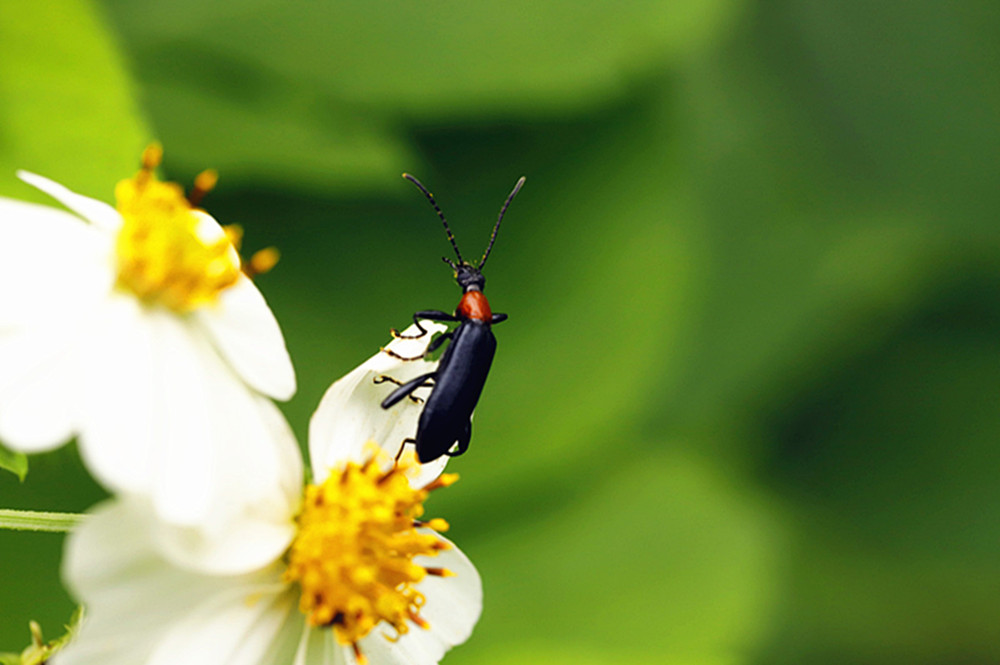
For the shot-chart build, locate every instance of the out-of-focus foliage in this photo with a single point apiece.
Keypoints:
(323, 95)
(67, 108)
(16, 463)
(745, 408)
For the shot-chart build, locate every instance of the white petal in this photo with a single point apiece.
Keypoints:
(452, 610)
(245, 450)
(111, 562)
(210, 231)
(53, 265)
(233, 629)
(350, 416)
(243, 542)
(168, 419)
(319, 647)
(247, 335)
(117, 398)
(94, 211)
(37, 395)
(252, 517)
(137, 602)
(56, 274)
(286, 647)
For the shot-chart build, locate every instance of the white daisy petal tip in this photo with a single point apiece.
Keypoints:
(39, 182)
(96, 212)
(350, 415)
(453, 604)
(246, 332)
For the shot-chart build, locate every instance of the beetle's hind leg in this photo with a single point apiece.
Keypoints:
(402, 448)
(463, 441)
(426, 315)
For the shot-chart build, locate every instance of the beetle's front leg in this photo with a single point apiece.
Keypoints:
(427, 315)
(437, 342)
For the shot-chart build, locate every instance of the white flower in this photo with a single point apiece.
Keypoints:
(362, 578)
(135, 330)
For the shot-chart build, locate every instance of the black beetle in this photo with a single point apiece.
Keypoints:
(457, 383)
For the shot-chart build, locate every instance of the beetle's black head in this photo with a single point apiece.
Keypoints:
(467, 275)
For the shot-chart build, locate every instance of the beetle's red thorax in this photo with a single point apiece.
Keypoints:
(474, 305)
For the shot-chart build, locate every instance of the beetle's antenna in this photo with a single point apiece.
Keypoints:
(510, 197)
(430, 197)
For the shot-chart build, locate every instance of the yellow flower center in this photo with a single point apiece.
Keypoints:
(353, 555)
(167, 251)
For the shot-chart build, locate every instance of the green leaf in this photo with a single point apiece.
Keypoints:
(322, 91)
(633, 570)
(891, 458)
(66, 105)
(15, 462)
(438, 61)
(826, 197)
(278, 138)
(550, 653)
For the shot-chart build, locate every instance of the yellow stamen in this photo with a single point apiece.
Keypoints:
(353, 555)
(204, 182)
(439, 572)
(152, 156)
(437, 524)
(168, 252)
(444, 480)
(262, 261)
(235, 234)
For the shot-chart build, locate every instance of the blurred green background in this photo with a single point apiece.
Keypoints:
(745, 408)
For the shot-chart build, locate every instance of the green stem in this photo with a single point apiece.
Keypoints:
(30, 520)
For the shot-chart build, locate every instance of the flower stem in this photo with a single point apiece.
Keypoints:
(30, 520)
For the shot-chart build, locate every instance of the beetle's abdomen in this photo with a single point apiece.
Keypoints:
(475, 306)
(457, 387)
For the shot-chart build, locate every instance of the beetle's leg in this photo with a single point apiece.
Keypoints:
(395, 355)
(497, 318)
(427, 315)
(463, 441)
(403, 447)
(438, 341)
(430, 347)
(382, 378)
(433, 315)
(405, 389)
